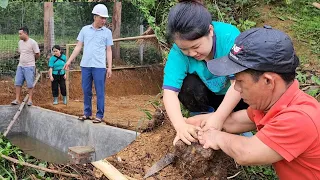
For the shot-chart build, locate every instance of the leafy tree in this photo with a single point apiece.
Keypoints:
(3, 3)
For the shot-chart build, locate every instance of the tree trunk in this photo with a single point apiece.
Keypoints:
(116, 24)
(48, 14)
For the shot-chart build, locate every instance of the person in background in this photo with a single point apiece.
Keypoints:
(29, 52)
(57, 74)
(197, 41)
(97, 42)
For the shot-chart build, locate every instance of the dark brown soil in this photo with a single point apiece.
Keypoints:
(197, 162)
(127, 93)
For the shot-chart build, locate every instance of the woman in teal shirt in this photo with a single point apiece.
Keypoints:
(57, 74)
(187, 79)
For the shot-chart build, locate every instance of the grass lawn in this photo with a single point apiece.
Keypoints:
(9, 42)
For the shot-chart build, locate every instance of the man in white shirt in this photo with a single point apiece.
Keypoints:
(29, 52)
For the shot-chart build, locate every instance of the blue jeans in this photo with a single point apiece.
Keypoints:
(98, 75)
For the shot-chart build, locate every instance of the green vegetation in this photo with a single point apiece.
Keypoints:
(306, 24)
(238, 13)
(9, 42)
(306, 30)
(305, 27)
(259, 173)
(9, 170)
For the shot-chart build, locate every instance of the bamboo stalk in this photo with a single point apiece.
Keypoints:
(15, 117)
(128, 38)
(16, 161)
(67, 75)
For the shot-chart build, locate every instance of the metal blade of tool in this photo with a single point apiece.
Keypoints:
(162, 163)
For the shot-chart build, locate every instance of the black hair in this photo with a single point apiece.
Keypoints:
(56, 47)
(287, 77)
(25, 29)
(188, 20)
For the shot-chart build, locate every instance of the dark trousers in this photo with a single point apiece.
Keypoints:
(197, 97)
(58, 81)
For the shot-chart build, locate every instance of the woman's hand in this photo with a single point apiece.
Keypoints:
(187, 133)
(51, 78)
(214, 121)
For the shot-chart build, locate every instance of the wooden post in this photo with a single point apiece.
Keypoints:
(141, 46)
(52, 40)
(116, 24)
(48, 15)
(68, 73)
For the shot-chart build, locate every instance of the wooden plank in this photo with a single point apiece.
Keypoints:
(135, 38)
(15, 117)
(117, 68)
(110, 171)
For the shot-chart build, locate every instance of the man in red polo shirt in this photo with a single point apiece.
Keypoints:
(288, 120)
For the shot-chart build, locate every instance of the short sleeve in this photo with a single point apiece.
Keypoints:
(175, 70)
(109, 40)
(289, 134)
(81, 35)
(35, 47)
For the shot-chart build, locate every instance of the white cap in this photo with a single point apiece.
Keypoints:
(100, 10)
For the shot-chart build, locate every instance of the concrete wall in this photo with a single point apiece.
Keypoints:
(62, 131)
(6, 115)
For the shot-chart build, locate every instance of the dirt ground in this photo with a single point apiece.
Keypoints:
(128, 92)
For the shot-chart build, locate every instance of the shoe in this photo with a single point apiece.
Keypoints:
(55, 101)
(64, 99)
(97, 120)
(29, 103)
(84, 117)
(15, 102)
